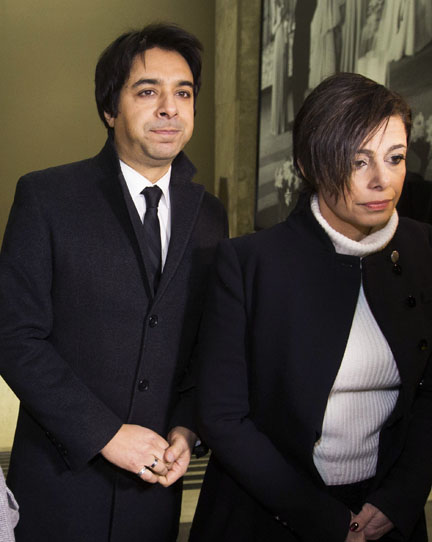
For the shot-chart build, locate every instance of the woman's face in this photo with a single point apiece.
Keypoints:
(375, 186)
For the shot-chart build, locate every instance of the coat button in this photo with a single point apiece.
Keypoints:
(143, 385)
(397, 269)
(153, 320)
(411, 301)
(423, 345)
(394, 256)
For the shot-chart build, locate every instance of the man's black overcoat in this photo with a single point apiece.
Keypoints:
(86, 348)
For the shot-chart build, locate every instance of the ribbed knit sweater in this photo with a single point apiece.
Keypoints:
(367, 384)
(8, 512)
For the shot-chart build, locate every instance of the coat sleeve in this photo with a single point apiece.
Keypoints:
(185, 410)
(74, 419)
(403, 492)
(248, 455)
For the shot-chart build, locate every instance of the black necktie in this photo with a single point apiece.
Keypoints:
(152, 234)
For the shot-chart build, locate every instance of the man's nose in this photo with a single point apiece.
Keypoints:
(167, 106)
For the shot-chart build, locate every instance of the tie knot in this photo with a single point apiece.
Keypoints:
(152, 196)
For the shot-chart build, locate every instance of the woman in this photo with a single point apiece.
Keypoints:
(316, 382)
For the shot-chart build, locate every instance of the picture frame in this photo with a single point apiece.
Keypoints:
(304, 41)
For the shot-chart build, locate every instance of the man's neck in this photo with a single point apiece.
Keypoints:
(153, 170)
(153, 174)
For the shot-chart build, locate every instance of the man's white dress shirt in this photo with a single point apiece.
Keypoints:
(136, 184)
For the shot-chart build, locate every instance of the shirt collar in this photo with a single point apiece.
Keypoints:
(137, 182)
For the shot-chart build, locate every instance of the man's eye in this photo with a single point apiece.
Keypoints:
(184, 93)
(146, 92)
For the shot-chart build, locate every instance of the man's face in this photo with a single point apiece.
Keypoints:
(155, 112)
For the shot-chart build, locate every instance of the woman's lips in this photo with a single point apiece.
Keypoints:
(377, 205)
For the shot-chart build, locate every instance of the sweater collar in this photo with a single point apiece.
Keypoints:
(374, 242)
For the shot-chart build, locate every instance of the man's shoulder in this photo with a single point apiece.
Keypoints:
(182, 174)
(66, 172)
(212, 217)
(212, 202)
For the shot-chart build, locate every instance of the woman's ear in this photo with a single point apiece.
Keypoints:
(300, 166)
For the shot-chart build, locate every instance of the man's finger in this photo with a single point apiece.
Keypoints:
(174, 451)
(172, 476)
(158, 466)
(147, 475)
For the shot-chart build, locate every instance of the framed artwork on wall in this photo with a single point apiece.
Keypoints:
(304, 41)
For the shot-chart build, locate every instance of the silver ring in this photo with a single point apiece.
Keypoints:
(155, 462)
(142, 471)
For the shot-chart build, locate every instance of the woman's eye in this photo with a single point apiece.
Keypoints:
(359, 163)
(397, 158)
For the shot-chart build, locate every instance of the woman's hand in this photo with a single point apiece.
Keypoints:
(354, 535)
(372, 523)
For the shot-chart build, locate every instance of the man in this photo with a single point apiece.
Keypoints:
(101, 290)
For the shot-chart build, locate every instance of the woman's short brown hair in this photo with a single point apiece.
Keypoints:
(340, 114)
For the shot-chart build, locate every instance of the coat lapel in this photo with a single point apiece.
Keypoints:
(117, 194)
(186, 200)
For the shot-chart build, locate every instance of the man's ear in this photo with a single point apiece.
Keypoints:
(109, 119)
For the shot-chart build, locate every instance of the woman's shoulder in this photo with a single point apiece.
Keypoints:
(262, 240)
(268, 247)
(414, 232)
(298, 229)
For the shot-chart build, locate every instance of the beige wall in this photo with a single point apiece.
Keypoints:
(48, 53)
(236, 102)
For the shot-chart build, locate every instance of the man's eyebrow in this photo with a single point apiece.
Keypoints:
(185, 84)
(146, 82)
(181, 83)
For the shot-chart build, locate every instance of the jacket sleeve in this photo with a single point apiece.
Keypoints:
(403, 493)
(74, 419)
(248, 455)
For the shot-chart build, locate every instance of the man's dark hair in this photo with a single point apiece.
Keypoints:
(340, 114)
(114, 65)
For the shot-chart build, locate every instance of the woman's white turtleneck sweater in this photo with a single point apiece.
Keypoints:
(367, 384)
